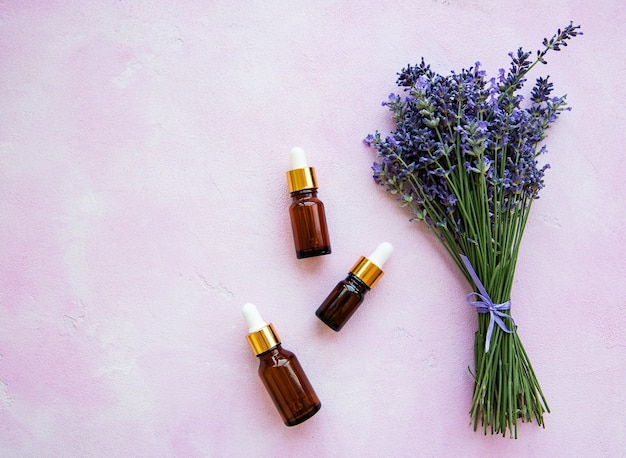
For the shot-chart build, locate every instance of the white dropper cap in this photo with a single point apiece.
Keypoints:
(298, 158)
(381, 254)
(262, 336)
(253, 317)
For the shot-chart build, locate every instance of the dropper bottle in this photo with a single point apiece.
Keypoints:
(348, 295)
(280, 371)
(308, 219)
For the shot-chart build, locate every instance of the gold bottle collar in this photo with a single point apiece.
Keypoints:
(367, 271)
(264, 339)
(299, 179)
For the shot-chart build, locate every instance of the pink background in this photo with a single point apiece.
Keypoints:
(143, 200)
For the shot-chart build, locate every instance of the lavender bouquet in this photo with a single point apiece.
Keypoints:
(463, 157)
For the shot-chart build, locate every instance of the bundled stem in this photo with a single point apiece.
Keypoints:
(463, 157)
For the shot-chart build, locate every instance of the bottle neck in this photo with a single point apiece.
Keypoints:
(357, 283)
(304, 194)
(271, 352)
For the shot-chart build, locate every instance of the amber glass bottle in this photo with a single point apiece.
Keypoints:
(308, 218)
(280, 371)
(342, 302)
(346, 297)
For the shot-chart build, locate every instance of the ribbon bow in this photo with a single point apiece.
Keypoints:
(486, 305)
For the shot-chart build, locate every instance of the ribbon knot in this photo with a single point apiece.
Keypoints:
(484, 304)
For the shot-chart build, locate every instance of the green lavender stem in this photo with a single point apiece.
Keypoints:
(506, 387)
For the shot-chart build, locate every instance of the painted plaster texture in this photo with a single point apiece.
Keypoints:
(143, 200)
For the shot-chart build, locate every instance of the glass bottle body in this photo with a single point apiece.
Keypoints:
(308, 223)
(288, 385)
(342, 302)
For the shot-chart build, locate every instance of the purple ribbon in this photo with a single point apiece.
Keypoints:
(486, 305)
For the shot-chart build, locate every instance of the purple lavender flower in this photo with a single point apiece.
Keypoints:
(463, 157)
(467, 123)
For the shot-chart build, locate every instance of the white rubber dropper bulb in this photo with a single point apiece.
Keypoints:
(381, 254)
(253, 317)
(298, 158)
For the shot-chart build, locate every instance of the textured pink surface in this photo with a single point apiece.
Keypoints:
(143, 200)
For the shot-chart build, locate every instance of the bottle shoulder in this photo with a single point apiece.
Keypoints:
(276, 356)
